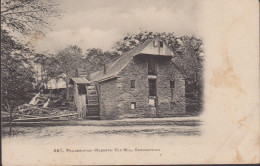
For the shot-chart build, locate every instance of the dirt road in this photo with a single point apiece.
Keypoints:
(158, 126)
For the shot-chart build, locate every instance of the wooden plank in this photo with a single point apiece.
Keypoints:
(41, 123)
(93, 117)
(94, 95)
(92, 104)
(29, 116)
(93, 99)
(93, 108)
(96, 100)
(42, 118)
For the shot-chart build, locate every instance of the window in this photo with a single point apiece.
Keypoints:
(151, 65)
(119, 85)
(172, 84)
(133, 105)
(152, 87)
(119, 82)
(151, 102)
(82, 89)
(189, 89)
(132, 83)
(155, 43)
(161, 44)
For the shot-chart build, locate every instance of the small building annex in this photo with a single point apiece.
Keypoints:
(144, 82)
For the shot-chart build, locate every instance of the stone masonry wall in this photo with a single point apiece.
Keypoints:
(108, 93)
(117, 94)
(168, 104)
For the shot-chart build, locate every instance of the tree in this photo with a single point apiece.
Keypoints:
(28, 16)
(95, 58)
(42, 63)
(16, 73)
(132, 40)
(64, 64)
(25, 17)
(188, 51)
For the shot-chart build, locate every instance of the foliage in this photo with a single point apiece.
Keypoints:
(24, 17)
(68, 60)
(28, 16)
(64, 64)
(43, 63)
(190, 61)
(188, 55)
(16, 73)
(95, 58)
(133, 40)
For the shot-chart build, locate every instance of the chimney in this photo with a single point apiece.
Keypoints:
(105, 69)
(76, 73)
(88, 75)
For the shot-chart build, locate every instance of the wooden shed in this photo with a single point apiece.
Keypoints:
(85, 97)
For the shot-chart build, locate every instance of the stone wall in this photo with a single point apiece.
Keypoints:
(168, 104)
(117, 94)
(108, 93)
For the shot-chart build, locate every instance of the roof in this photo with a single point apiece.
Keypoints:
(79, 80)
(58, 83)
(154, 48)
(113, 68)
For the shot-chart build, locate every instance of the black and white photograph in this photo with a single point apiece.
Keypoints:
(120, 82)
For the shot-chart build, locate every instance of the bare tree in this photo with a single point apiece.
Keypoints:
(28, 16)
(24, 17)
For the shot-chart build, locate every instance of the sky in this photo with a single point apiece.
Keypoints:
(100, 23)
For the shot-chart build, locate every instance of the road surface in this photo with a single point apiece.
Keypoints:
(150, 126)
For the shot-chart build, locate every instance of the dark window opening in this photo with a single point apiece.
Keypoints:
(161, 44)
(132, 83)
(82, 89)
(151, 65)
(152, 87)
(155, 43)
(133, 105)
(172, 84)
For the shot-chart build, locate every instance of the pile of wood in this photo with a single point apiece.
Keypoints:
(41, 108)
(30, 113)
(27, 109)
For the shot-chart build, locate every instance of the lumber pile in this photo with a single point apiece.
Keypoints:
(42, 107)
(28, 112)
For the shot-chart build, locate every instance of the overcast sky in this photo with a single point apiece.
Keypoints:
(99, 23)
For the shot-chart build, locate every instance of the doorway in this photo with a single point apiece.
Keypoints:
(152, 99)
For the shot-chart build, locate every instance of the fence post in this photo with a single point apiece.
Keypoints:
(10, 122)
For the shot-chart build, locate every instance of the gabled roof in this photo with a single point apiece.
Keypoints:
(79, 80)
(113, 68)
(154, 48)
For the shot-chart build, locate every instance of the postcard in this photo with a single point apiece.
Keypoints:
(120, 82)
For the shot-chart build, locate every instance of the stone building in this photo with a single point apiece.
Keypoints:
(144, 82)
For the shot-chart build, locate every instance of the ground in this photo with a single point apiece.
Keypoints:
(59, 143)
(150, 126)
